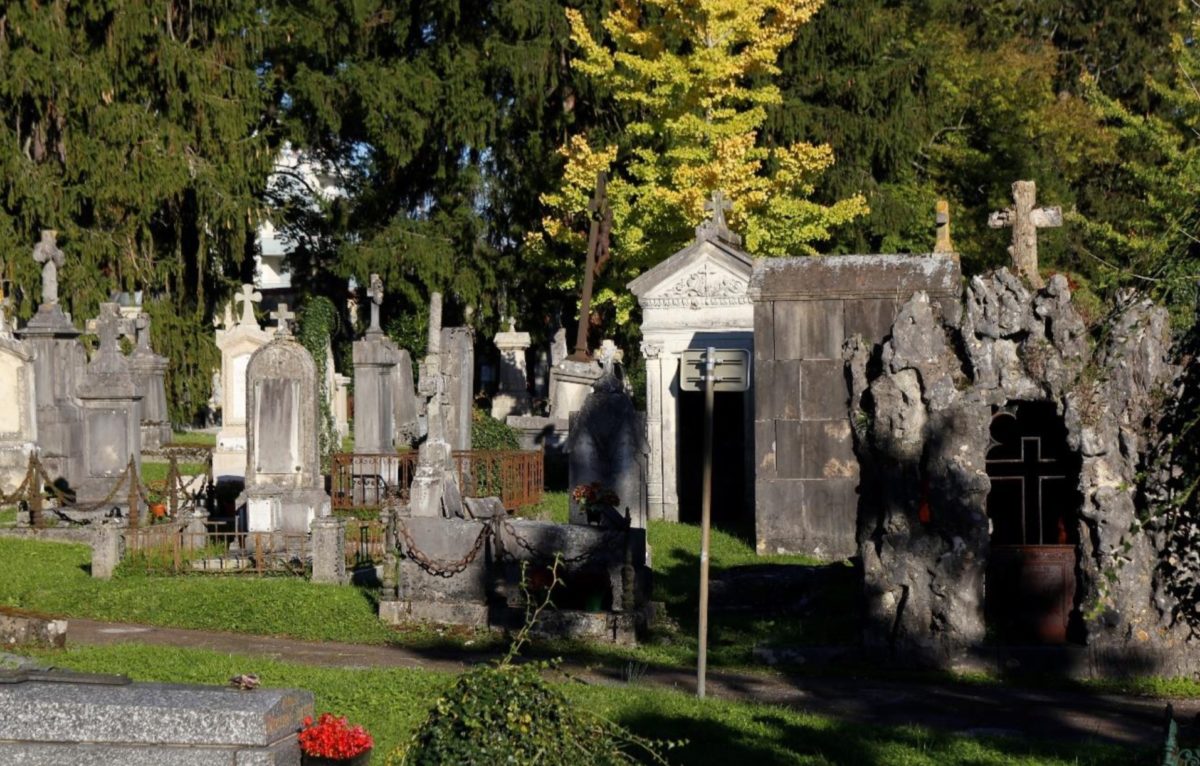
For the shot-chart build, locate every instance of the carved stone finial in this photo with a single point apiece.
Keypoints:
(715, 228)
(47, 253)
(248, 297)
(282, 317)
(943, 244)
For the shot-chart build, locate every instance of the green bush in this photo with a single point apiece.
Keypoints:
(487, 433)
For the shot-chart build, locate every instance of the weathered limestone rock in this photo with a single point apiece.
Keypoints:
(923, 421)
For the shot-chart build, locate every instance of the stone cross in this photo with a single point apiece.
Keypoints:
(46, 252)
(601, 215)
(282, 316)
(248, 297)
(375, 293)
(110, 326)
(943, 243)
(1025, 220)
(716, 227)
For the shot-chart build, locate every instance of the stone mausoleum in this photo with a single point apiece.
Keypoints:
(696, 299)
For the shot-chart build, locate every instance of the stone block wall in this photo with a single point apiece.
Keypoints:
(806, 472)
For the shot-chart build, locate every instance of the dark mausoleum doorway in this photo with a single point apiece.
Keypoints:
(729, 511)
(1031, 594)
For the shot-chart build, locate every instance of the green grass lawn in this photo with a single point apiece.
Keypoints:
(194, 439)
(392, 702)
(153, 470)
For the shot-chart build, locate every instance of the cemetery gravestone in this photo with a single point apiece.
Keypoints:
(149, 371)
(285, 489)
(384, 402)
(237, 341)
(512, 398)
(58, 362)
(458, 370)
(607, 446)
(18, 418)
(112, 411)
(434, 487)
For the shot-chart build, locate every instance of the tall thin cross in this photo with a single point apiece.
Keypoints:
(1025, 220)
(597, 253)
(282, 316)
(375, 293)
(248, 297)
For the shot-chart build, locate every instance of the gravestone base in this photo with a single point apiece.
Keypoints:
(506, 405)
(570, 384)
(155, 435)
(290, 511)
(14, 464)
(144, 724)
(229, 462)
(550, 436)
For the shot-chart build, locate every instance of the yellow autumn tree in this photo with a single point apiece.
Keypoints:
(692, 80)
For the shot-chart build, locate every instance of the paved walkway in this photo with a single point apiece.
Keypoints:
(968, 709)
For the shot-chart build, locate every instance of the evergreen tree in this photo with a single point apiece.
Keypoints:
(136, 130)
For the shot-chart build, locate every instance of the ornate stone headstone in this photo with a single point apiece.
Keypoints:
(237, 342)
(112, 410)
(150, 371)
(58, 363)
(18, 416)
(607, 446)
(384, 401)
(285, 489)
(512, 397)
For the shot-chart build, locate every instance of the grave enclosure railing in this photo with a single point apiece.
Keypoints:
(175, 549)
(165, 498)
(370, 481)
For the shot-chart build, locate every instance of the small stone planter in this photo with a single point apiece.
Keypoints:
(362, 759)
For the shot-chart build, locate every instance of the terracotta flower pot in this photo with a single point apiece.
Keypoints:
(158, 510)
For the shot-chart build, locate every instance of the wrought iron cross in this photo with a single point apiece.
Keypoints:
(1025, 220)
(282, 316)
(597, 254)
(248, 297)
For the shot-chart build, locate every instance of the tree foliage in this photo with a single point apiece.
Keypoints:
(692, 82)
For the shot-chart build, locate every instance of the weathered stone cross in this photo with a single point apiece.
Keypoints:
(46, 252)
(942, 216)
(248, 297)
(1025, 220)
(716, 227)
(142, 325)
(282, 316)
(110, 326)
(376, 296)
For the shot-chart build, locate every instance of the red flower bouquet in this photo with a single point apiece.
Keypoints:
(333, 739)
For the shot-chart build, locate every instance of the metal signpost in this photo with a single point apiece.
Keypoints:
(717, 370)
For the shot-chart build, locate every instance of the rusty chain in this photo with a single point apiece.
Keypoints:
(441, 568)
(609, 541)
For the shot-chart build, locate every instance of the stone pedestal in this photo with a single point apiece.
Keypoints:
(329, 550)
(341, 405)
(285, 489)
(58, 363)
(237, 343)
(458, 367)
(512, 397)
(106, 548)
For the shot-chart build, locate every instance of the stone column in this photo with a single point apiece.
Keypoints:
(512, 398)
(458, 367)
(329, 550)
(669, 403)
(651, 352)
(106, 548)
